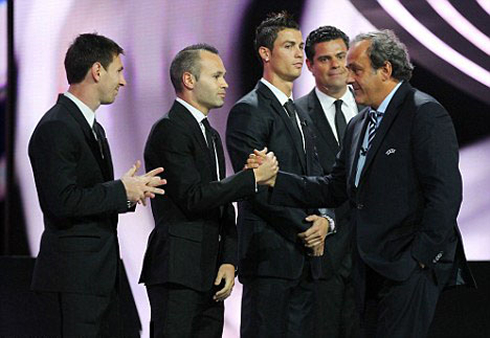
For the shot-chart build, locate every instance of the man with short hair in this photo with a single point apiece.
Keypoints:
(79, 255)
(398, 167)
(277, 266)
(190, 263)
(331, 105)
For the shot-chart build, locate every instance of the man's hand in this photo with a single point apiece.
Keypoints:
(264, 165)
(138, 188)
(226, 272)
(318, 250)
(314, 237)
(255, 160)
(266, 173)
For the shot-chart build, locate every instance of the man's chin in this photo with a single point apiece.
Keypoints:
(110, 101)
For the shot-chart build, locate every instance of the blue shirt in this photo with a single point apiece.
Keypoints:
(363, 152)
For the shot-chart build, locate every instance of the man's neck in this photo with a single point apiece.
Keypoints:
(384, 92)
(187, 97)
(284, 86)
(336, 93)
(84, 95)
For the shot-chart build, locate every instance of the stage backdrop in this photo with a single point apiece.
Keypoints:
(152, 32)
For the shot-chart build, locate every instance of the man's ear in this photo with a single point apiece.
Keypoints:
(386, 70)
(309, 64)
(95, 71)
(265, 54)
(188, 80)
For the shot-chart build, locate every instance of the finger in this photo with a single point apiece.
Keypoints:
(131, 171)
(311, 218)
(261, 153)
(156, 181)
(314, 244)
(153, 172)
(219, 277)
(223, 293)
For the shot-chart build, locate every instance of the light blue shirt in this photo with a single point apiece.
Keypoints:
(363, 152)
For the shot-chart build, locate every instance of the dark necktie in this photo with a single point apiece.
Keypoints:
(100, 135)
(340, 122)
(210, 139)
(291, 110)
(373, 125)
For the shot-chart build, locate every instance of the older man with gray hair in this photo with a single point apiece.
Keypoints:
(398, 168)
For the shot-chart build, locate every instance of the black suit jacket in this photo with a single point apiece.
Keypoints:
(80, 202)
(195, 228)
(338, 245)
(409, 194)
(269, 245)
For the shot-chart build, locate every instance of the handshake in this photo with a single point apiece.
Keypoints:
(265, 167)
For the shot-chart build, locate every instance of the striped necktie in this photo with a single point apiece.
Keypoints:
(373, 125)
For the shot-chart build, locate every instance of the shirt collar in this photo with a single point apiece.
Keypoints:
(327, 100)
(88, 113)
(198, 115)
(382, 107)
(280, 96)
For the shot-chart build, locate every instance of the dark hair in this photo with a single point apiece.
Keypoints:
(266, 32)
(85, 51)
(187, 61)
(323, 34)
(385, 46)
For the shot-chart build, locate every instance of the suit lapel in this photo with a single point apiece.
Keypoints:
(357, 139)
(221, 157)
(276, 106)
(389, 117)
(180, 113)
(105, 165)
(318, 116)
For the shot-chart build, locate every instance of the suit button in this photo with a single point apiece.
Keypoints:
(219, 238)
(360, 206)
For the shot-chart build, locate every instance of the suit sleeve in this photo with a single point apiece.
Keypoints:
(172, 148)
(55, 154)
(247, 130)
(314, 191)
(435, 152)
(230, 236)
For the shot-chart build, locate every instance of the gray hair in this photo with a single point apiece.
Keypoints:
(187, 60)
(385, 46)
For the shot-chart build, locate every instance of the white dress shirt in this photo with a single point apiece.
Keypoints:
(283, 98)
(349, 107)
(199, 116)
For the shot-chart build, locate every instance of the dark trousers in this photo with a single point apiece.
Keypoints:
(274, 307)
(399, 309)
(337, 315)
(89, 315)
(177, 311)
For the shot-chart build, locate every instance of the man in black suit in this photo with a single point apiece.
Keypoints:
(398, 167)
(331, 105)
(79, 255)
(277, 244)
(190, 263)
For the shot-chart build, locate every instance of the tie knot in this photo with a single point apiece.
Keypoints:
(98, 130)
(289, 106)
(205, 123)
(338, 104)
(375, 113)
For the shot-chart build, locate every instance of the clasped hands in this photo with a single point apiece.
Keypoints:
(139, 188)
(266, 167)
